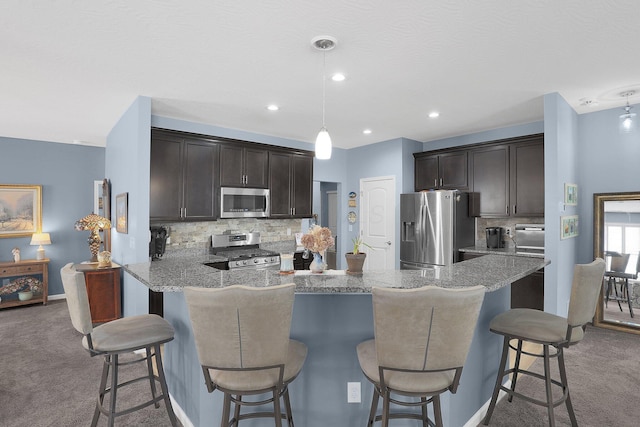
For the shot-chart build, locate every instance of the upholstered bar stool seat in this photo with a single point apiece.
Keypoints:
(112, 339)
(553, 333)
(421, 340)
(248, 352)
(260, 380)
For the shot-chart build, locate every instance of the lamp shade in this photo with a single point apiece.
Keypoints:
(40, 239)
(323, 145)
(627, 121)
(94, 223)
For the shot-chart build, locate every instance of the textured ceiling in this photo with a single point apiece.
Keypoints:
(70, 69)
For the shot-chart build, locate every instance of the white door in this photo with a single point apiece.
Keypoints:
(332, 212)
(378, 221)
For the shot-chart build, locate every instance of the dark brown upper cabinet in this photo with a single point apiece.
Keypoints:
(509, 177)
(242, 165)
(442, 170)
(182, 178)
(291, 184)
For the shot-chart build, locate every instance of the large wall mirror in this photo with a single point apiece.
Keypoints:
(616, 239)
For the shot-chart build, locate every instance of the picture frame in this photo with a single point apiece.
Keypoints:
(98, 202)
(20, 210)
(122, 208)
(570, 194)
(568, 226)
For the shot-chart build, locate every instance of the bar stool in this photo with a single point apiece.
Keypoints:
(422, 337)
(551, 331)
(242, 339)
(114, 338)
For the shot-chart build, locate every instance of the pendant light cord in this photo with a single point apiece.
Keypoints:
(324, 82)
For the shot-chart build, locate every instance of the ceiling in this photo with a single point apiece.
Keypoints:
(71, 68)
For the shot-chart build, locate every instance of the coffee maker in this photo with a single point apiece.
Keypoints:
(494, 237)
(158, 242)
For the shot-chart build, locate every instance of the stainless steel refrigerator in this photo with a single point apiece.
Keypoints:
(433, 226)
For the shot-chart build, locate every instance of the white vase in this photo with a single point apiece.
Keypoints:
(317, 265)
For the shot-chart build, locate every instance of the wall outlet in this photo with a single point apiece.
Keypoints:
(507, 230)
(353, 393)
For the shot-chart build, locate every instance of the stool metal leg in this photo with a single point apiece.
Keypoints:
(152, 381)
(287, 405)
(114, 389)
(374, 406)
(565, 387)
(496, 389)
(547, 383)
(437, 410)
(163, 386)
(103, 387)
(514, 378)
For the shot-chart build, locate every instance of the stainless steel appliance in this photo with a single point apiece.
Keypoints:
(529, 238)
(433, 226)
(243, 251)
(244, 202)
(494, 237)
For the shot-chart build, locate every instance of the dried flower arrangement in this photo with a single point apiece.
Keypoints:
(318, 239)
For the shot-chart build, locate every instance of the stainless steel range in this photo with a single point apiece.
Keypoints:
(243, 251)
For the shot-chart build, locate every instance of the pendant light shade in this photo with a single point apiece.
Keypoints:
(323, 140)
(627, 121)
(323, 144)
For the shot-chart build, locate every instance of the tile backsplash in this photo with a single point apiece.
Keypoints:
(482, 223)
(185, 235)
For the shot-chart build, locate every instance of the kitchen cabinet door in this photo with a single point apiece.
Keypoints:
(182, 178)
(490, 178)
(302, 186)
(242, 166)
(291, 185)
(165, 187)
(452, 168)
(426, 172)
(280, 184)
(200, 202)
(527, 179)
(441, 171)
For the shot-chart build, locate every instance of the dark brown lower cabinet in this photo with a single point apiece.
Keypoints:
(103, 289)
(527, 292)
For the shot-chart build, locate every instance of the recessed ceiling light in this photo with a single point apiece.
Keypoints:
(338, 77)
(434, 114)
(367, 131)
(273, 107)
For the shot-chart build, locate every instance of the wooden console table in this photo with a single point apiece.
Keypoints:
(21, 276)
(103, 288)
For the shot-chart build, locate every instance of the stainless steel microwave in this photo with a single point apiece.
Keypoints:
(244, 202)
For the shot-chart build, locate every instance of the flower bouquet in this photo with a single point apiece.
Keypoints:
(317, 240)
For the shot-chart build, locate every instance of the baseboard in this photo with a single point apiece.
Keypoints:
(56, 297)
(477, 418)
(180, 414)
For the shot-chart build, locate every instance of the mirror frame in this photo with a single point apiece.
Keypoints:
(598, 252)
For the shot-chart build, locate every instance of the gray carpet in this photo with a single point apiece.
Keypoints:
(48, 379)
(604, 379)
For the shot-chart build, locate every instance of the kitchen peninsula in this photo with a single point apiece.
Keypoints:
(332, 313)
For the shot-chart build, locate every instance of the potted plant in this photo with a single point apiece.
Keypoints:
(355, 259)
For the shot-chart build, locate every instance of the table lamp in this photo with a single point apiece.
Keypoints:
(40, 239)
(94, 223)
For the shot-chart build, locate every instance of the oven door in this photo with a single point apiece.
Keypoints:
(258, 267)
(244, 202)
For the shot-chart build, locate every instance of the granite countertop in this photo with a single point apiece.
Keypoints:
(511, 251)
(183, 268)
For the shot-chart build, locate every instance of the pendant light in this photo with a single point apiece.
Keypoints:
(628, 119)
(323, 140)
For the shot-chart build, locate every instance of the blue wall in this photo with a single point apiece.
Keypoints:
(66, 173)
(127, 166)
(607, 163)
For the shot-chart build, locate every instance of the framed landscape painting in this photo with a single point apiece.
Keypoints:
(20, 210)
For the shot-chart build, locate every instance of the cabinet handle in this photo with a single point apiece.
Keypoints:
(507, 209)
(515, 209)
(440, 182)
(293, 210)
(435, 182)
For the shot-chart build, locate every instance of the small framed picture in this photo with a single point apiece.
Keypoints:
(568, 226)
(570, 194)
(122, 212)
